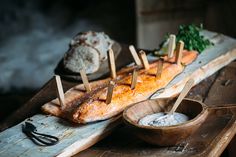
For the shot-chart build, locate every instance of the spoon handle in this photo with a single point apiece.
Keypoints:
(183, 93)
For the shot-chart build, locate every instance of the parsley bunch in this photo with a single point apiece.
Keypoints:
(190, 35)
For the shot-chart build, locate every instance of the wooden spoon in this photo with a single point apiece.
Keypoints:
(183, 93)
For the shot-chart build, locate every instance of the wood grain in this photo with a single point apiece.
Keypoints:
(165, 136)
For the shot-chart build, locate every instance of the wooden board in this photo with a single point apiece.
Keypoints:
(82, 137)
(207, 63)
(73, 138)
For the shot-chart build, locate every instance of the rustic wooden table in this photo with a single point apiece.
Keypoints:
(220, 88)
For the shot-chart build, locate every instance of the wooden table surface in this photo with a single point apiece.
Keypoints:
(220, 88)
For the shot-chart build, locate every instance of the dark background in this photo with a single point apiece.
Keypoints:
(34, 35)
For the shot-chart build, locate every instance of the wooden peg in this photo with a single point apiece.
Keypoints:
(135, 55)
(189, 84)
(171, 46)
(110, 92)
(134, 79)
(111, 63)
(179, 52)
(159, 68)
(85, 80)
(144, 59)
(60, 93)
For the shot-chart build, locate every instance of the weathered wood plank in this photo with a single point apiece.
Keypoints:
(45, 94)
(14, 142)
(207, 63)
(223, 92)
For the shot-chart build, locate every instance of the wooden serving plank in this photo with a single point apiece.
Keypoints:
(75, 138)
(207, 63)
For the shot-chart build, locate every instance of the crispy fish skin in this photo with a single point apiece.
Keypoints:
(72, 96)
(77, 94)
(95, 108)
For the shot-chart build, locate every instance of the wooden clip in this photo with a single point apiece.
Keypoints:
(110, 92)
(144, 59)
(159, 68)
(179, 52)
(171, 46)
(135, 55)
(134, 79)
(111, 63)
(85, 80)
(60, 93)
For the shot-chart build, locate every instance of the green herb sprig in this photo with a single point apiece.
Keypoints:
(190, 35)
(193, 40)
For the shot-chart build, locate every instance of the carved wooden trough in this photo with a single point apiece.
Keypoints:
(167, 135)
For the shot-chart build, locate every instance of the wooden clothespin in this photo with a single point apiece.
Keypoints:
(144, 59)
(85, 80)
(159, 68)
(110, 92)
(171, 46)
(112, 65)
(134, 79)
(135, 55)
(179, 52)
(60, 93)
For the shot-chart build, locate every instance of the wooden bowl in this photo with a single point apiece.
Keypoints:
(165, 135)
